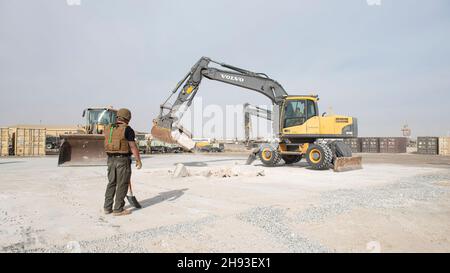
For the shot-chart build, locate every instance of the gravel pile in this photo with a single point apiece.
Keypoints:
(273, 221)
(402, 193)
(132, 242)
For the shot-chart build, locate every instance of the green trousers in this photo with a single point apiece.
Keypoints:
(119, 174)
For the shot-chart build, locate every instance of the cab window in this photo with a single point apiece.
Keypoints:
(297, 112)
(294, 113)
(312, 111)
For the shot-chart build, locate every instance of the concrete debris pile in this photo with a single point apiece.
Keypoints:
(180, 171)
(230, 171)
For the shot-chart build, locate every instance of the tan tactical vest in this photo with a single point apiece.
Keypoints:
(115, 141)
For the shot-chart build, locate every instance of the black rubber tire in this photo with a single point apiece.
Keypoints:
(291, 159)
(269, 155)
(325, 159)
(342, 149)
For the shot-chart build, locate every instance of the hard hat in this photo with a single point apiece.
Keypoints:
(124, 114)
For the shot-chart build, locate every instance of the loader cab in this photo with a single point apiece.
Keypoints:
(98, 118)
(296, 111)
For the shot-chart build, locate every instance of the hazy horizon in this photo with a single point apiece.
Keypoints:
(386, 64)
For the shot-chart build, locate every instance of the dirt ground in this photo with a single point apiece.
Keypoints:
(396, 203)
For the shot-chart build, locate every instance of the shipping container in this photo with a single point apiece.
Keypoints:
(427, 145)
(370, 144)
(393, 144)
(29, 142)
(4, 142)
(354, 144)
(444, 145)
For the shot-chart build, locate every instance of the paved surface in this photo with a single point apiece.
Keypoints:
(399, 206)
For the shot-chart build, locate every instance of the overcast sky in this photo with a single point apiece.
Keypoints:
(386, 64)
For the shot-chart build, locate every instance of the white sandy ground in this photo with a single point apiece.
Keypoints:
(383, 207)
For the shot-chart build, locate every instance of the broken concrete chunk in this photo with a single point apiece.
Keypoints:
(229, 171)
(180, 171)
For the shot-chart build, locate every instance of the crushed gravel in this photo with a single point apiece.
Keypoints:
(402, 193)
(132, 242)
(274, 222)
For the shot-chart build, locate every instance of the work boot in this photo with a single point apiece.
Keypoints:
(123, 212)
(107, 211)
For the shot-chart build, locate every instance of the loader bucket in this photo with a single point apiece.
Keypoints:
(82, 150)
(343, 164)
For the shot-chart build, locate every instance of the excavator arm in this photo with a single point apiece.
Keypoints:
(167, 127)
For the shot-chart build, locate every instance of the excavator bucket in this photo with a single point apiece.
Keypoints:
(162, 134)
(343, 164)
(176, 134)
(82, 150)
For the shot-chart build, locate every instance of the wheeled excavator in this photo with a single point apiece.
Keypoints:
(298, 128)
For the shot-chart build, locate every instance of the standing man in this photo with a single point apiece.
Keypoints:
(119, 146)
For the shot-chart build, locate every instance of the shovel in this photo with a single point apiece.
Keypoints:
(132, 199)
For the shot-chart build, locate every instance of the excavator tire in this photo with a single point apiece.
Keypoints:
(339, 149)
(342, 149)
(291, 159)
(319, 156)
(269, 155)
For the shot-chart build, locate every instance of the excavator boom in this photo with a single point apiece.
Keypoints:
(167, 126)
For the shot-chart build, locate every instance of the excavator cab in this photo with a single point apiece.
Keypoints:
(87, 147)
(297, 111)
(300, 119)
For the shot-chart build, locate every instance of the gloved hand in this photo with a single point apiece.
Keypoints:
(138, 164)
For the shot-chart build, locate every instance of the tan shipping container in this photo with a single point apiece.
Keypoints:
(4, 142)
(444, 145)
(29, 142)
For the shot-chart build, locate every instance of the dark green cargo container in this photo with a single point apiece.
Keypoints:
(428, 145)
(393, 144)
(370, 144)
(354, 144)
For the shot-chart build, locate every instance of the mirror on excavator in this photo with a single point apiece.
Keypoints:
(86, 148)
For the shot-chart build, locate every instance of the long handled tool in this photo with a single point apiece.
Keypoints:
(132, 199)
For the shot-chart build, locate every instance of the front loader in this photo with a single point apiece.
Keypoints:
(298, 128)
(87, 147)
